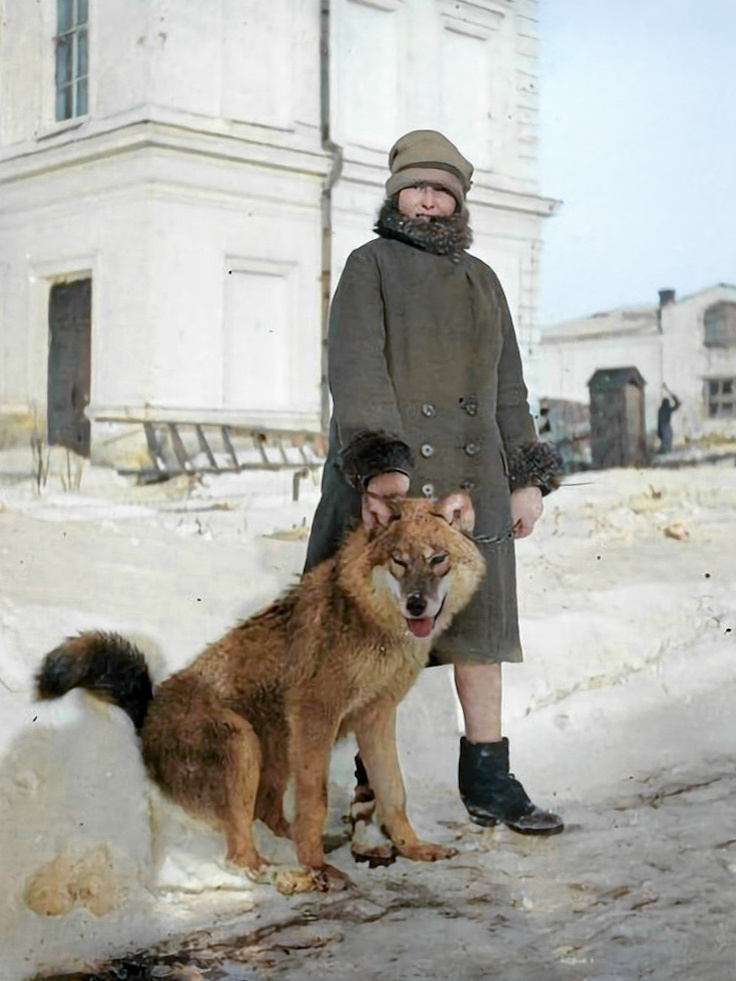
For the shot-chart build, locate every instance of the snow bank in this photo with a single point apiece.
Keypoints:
(92, 860)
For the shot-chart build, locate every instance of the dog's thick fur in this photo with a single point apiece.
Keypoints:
(336, 654)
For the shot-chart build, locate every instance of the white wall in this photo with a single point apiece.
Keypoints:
(191, 191)
(235, 282)
(95, 236)
(241, 60)
(200, 154)
(159, 261)
(565, 368)
(465, 68)
(688, 363)
(677, 357)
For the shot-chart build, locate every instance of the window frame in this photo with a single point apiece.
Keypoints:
(74, 38)
(716, 401)
(719, 325)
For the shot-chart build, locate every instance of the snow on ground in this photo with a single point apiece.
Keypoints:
(622, 717)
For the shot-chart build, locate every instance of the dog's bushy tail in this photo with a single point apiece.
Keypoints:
(105, 664)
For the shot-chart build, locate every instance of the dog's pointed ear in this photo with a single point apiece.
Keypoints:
(457, 509)
(378, 512)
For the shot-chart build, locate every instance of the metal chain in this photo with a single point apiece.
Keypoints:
(496, 540)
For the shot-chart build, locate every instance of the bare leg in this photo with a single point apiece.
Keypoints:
(479, 688)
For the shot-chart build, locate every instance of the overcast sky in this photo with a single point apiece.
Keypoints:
(638, 140)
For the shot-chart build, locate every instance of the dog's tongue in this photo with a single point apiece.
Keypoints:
(420, 626)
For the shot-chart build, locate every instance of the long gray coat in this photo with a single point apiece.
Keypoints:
(422, 346)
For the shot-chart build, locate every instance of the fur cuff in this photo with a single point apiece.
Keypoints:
(369, 453)
(534, 463)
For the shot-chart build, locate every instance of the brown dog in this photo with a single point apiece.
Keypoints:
(334, 655)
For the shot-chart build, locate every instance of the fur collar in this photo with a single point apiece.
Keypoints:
(441, 236)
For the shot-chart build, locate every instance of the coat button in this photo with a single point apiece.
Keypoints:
(428, 410)
(428, 490)
(469, 404)
(472, 449)
(426, 449)
(468, 485)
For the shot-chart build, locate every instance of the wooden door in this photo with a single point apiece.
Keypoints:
(69, 368)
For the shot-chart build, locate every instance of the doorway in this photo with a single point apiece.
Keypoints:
(69, 366)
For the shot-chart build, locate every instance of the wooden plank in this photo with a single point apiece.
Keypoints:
(228, 444)
(205, 447)
(154, 448)
(179, 449)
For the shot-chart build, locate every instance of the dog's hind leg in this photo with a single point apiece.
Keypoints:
(274, 776)
(242, 773)
(207, 759)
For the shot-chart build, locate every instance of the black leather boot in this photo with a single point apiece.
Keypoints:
(492, 795)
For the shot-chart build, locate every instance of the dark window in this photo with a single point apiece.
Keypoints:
(72, 58)
(719, 394)
(720, 325)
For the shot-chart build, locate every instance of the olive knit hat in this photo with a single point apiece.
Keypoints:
(426, 155)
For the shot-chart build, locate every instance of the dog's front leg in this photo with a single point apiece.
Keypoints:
(376, 735)
(312, 734)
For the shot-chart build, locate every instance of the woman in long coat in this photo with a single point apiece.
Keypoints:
(429, 398)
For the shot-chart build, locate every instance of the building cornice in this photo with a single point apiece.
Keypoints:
(297, 151)
(368, 167)
(150, 127)
(630, 334)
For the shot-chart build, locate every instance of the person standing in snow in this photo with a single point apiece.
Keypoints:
(429, 398)
(664, 419)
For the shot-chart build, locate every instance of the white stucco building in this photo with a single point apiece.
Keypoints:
(687, 344)
(180, 184)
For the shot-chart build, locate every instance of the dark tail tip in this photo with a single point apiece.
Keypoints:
(105, 664)
(58, 674)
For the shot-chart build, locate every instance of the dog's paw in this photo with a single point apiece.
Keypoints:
(259, 875)
(325, 879)
(331, 879)
(370, 844)
(290, 881)
(248, 861)
(425, 851)
(376, 855)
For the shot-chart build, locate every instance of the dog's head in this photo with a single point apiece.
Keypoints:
(418, 561)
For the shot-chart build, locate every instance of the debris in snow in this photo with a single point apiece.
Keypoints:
(677, 531)
(69, 881)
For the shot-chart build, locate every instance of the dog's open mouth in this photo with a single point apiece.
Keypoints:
(423, 626)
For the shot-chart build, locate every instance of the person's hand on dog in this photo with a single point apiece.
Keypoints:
(457, 510)
(526, 507)
(375, 508)
(391, 484)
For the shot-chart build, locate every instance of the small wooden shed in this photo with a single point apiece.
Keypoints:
(617, 422)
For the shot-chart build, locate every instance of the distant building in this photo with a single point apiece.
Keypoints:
(180, 185)
(688, 344)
